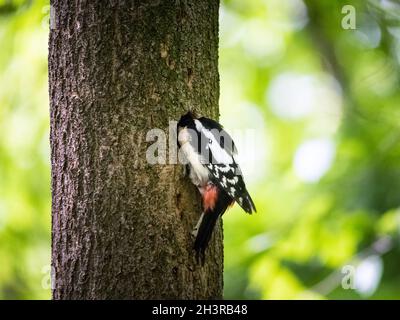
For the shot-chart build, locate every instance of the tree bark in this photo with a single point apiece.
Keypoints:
(121, 226)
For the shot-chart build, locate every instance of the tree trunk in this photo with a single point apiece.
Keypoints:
(121, 226)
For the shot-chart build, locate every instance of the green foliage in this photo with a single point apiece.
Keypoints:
(24, 153)
(316, 87)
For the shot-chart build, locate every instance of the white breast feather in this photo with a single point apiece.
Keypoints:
(198, 173)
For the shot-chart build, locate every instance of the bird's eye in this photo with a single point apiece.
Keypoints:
(209, 141)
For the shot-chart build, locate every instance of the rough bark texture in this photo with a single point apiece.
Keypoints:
(121, 227)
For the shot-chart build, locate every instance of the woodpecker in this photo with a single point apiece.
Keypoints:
(210, 153)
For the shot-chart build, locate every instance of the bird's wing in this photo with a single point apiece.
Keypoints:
(229, 178)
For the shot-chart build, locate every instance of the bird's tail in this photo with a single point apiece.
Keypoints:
(208, 221)
(205, 226)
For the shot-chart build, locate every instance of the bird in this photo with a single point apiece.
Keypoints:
(210, 157)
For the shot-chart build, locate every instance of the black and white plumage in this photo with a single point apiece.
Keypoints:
(210, 155)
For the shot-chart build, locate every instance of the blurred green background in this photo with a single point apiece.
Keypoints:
(315, 111)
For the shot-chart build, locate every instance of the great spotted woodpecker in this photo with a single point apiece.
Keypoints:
(210, 155)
